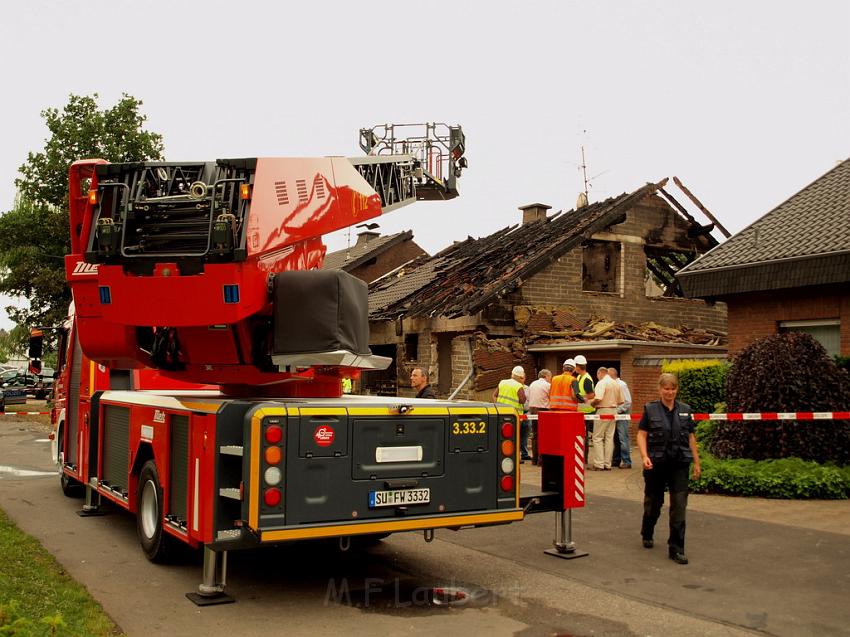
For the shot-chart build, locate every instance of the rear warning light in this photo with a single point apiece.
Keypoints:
(272, 497)
(272, 476)
(507, 430)
(245, 191)
(273, 455)
(274, 434)
(507, 483)
(507, 447)
(92, 197)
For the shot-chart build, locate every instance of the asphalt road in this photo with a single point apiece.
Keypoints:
(745, 577)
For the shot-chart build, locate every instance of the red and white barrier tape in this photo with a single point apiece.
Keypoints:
(767, 415)
(24, 413)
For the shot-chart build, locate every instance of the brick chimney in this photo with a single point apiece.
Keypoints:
(534, 212)
(366, 236)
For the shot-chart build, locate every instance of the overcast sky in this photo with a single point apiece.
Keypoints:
(747, 102)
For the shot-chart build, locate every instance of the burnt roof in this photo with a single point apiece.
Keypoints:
(804, 241)
(362, 251)
(469, 275)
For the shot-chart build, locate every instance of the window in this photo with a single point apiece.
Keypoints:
(411, 347)
(661, 267)
(600, 267)
(827, 332)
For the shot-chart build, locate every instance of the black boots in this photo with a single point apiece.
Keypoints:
(677, 556)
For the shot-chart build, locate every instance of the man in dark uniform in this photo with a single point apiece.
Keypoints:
(667, 447)
(419, 382)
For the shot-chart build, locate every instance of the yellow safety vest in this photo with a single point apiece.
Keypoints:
(585, 407)
(509, 394)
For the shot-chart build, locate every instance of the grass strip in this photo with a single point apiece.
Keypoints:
(37, 596)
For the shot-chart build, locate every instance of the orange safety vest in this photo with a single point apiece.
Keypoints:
(561, 396)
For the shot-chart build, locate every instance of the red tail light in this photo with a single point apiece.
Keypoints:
(507, 483)
(272, 496)
(507, 430)
(274, 434)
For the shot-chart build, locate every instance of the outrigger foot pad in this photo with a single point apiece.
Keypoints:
(87, 513)
(566, 555)
(210, 600)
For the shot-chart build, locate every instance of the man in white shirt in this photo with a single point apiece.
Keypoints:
(606, 399)
(622, 443)
(538, 400)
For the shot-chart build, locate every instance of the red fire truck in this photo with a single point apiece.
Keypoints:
(201, 363)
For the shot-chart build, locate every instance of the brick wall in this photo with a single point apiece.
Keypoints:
(461, 366)
(561, 282)
(755, 315)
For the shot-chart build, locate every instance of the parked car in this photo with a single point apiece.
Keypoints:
(13, 389)
(44, 383)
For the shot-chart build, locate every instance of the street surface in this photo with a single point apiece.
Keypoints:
(781, 569)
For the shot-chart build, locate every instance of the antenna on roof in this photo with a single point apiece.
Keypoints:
(584, 175)
(584, 196)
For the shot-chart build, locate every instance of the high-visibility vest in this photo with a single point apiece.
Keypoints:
(561, 396)
(585, 407)
(509, 394)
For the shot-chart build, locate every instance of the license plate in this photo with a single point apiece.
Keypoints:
(399, 497)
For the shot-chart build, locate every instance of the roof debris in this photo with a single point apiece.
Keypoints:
(543, 324)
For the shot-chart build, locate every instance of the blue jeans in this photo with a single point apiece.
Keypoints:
(623, 441)
(524, 428)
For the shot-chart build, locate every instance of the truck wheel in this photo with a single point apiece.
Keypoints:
(155, 544)
(70, 488)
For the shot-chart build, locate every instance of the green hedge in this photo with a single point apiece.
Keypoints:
(702, 383)
(787, 478)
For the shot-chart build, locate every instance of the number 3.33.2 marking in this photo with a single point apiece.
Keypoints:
(461, 428)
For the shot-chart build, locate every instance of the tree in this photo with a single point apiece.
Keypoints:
(34, 235)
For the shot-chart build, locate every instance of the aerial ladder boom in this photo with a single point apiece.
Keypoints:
(176, 265)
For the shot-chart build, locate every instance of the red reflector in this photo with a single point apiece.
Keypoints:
(274, 434)
(272, 496)
(507, 483)
(507, 430)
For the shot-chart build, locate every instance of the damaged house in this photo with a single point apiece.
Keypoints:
(374, 255)
(599, 281)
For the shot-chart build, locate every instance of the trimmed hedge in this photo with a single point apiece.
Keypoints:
(787, 478)
(702, 383)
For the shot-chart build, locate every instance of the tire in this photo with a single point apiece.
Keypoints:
(70, 488)
(157, 546)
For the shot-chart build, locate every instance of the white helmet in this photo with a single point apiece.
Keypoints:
(569, 362)
(518, 371)
(580, 360)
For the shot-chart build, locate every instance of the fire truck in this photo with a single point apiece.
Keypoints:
(200, 367)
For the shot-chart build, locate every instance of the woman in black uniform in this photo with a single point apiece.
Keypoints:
(667, 447)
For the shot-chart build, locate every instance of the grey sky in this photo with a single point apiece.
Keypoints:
(746, 102)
